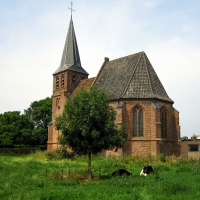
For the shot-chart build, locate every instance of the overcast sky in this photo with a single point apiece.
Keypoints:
(33, 32)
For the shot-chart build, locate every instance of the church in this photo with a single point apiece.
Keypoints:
(136, 94)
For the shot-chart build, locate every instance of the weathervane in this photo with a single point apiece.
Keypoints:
(71, 8)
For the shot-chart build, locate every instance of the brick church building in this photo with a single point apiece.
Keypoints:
(136, 93)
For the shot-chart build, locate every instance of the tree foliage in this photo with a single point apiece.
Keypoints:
(194, 137)
(39, 113)
(26, 129)
(15, 129)
(88, 124)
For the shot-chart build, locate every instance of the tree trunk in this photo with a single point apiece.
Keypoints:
(89, 166)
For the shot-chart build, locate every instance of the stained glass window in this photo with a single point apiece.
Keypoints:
(163, 123)
(141, 122)
(137, 122)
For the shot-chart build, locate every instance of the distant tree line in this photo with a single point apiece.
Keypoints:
(26, 129)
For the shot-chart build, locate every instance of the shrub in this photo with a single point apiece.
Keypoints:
(62, 151)
(53, 155)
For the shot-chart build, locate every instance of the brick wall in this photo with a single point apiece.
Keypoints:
(59, 98)
(185, 153)
(151, 142)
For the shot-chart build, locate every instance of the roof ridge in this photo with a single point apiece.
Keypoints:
(134, 69)
(106, 60)
(157, 94)
(148, 75)
(125, 56)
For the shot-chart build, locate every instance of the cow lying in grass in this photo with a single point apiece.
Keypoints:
(146, 170)
(121, 172)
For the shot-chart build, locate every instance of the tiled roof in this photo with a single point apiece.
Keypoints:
(86, 83)
(131, 77)
(70, 57)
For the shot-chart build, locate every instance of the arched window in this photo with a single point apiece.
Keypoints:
(137, 122)
(163, 119)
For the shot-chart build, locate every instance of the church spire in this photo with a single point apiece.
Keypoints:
(70, 57)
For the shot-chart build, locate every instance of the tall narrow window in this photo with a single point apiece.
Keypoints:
(163, 117)
(74, 79)
(57, 82)
(63, 80)
(137, 122)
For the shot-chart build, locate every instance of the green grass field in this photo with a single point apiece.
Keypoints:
(38, 176)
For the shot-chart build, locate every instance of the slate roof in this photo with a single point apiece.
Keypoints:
(131, 77)
(70, 57)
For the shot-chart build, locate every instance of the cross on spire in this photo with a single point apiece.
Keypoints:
(71, 8)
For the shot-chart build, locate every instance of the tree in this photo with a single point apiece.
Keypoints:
(88, 124)
(39, 113)
(193, 137)
(15, 129)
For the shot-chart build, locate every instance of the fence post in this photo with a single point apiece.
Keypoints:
(68, 172)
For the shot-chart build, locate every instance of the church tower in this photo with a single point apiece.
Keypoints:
(136, 94)
(65, 80)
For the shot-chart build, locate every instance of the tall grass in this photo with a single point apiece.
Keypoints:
(40, 176)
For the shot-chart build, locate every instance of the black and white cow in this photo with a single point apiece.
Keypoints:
(146, 170)
(121, 172)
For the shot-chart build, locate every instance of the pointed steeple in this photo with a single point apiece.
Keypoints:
(70, 57)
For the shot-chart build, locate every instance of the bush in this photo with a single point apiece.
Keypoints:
(53, 155)
(59, 154)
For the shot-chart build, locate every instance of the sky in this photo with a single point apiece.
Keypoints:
(33, 33)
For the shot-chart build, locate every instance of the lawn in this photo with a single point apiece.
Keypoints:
(40, 176)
